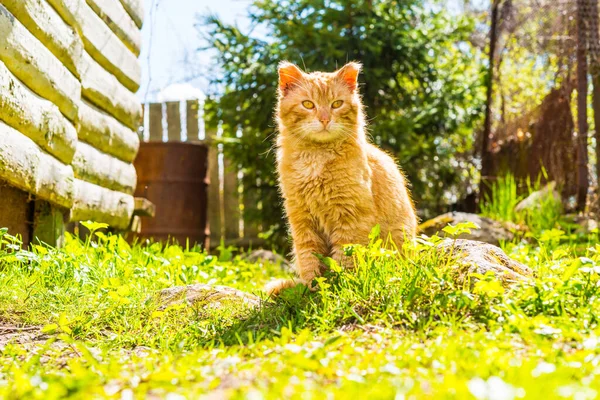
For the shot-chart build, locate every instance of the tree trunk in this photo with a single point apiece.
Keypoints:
(486, 161)
(596, 107)
(582, 125)
(594, 50)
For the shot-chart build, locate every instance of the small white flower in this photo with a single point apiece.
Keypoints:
(547, 330)
(391, 369)
(478, 388)
(294, 348)
(591, 343)
(203, 275)
(230, 361)
(254, 395)
(174, 396)
(543, 368)
(127, 394)
(355, 378)
(493, 389)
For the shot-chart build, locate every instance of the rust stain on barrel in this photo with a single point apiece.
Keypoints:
(174, 177)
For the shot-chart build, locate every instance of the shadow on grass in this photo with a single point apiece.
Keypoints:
(289, 310)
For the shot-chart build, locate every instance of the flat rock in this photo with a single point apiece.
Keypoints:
(479, 257)
(535, 199)
(491, 231)
(268, 256)
(207, 295)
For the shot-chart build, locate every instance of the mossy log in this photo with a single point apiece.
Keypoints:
(116, 17)
(92, 165)
(50, 29)
(106, 92)
(100, 42)
(106, 48)
(107, 134)
(93, 202)
(68, 10)
(26, 166)
(35, 117)
(135, 8)
(27, 58)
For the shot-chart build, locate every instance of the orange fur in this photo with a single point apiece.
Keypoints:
(336, 185)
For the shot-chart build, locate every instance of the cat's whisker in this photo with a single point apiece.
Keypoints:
(275, 132)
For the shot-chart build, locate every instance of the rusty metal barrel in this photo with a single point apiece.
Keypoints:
(174, 177)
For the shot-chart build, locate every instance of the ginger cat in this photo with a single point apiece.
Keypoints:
(336, 185)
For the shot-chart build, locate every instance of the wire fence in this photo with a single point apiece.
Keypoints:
(540, 126)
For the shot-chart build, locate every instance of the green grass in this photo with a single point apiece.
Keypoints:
(394, 327)
(503, 197)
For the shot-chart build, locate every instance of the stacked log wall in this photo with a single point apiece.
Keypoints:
(69, 115)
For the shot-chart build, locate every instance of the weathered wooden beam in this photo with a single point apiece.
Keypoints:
(35, 117)
(136, 225)
(93, 202)
(191, 120)
(144, 207)
(116, 17)
(173, 121)
(251, 200)
(106, 92)
(155, 127)
(26, 166)
(231, 200)
(16, 209)
(100, 42)
(213, 191)
(49, 224)
(135, 8)
(36, 66)
(107, 134)
(92, 165)
(50, 29)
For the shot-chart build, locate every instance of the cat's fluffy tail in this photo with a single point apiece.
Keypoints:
(275, 287)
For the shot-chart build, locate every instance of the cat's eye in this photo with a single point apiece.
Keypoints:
(308, 104)
(337, 104)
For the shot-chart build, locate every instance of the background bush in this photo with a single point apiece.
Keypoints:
(421, 85)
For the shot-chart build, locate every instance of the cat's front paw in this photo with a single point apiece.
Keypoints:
(342, 259)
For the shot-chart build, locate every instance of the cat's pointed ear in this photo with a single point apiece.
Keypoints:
(349, 74)
(289, 76)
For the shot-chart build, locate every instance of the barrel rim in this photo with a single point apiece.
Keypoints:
(175, 144)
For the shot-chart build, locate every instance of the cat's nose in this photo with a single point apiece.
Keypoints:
(325, 122)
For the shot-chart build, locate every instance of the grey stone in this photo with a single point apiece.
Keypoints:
(478, 257)
(207, 295)
(535, 199)
(268, 256)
